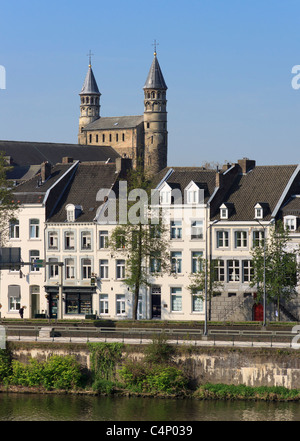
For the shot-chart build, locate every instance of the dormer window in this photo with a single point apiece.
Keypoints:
(290, 222)
(259, 212)
(73, 211)
(165, 194)
(193, 193)
(223, 212)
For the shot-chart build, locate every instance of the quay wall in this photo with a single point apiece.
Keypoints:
(249, 366)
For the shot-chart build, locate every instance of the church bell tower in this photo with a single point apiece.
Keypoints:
(155, 120)
(89, 103)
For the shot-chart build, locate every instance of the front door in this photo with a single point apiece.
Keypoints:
(53, 306)
(258, 312)
(156, 306)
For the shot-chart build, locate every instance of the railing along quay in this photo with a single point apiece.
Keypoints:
(142, 335)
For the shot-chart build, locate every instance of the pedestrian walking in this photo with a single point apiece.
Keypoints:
(21, 312)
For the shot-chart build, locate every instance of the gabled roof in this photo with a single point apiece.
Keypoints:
(155, 79)
(34, 192)
(271, 182)
(115, 122)
(26, 153)
(83, 189)
(90, 85)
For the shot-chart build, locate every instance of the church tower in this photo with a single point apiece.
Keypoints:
(89, 104)
(155, 120)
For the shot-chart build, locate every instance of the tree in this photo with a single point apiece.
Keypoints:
(8, 205)
(143, 242)
(280, 269)
(214, 285)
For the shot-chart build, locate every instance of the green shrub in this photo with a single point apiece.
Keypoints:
(159, 351)
(61, 373)
(56, 373)
(142, 377)
(5, 366)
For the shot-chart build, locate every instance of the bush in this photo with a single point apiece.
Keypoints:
(159, 351)
(5, 365)
(141, 377)
(56, 373)
(61, 373)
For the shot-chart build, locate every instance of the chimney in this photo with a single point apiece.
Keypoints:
(45, 171)
(246, 164)
(67, 160)
(219, 179)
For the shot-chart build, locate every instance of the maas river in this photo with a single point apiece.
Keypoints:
(38, 407)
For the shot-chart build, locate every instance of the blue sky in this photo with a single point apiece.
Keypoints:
(227, 64)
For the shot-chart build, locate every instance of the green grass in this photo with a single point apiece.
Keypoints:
(242, 392)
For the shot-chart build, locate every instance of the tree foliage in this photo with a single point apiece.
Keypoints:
(280, 267)
(144, 243)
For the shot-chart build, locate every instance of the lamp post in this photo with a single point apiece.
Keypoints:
(206, 271)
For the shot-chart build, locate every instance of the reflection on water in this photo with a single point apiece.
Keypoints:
(34, 407)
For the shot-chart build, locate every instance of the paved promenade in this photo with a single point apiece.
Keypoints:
(143, 341)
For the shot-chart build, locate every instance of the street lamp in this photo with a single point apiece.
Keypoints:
(265, 294)
(206, 271)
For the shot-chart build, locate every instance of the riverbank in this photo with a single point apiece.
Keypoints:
(206, 392)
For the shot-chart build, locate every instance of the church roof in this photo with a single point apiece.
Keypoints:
(90, 84)
(26, 153)
(115, 122)
(155, 79)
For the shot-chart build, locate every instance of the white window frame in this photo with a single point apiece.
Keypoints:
(103, 239)
(86, 240)
(197, 261)
(103, 304)
(258, 238)
(34, 255)
(176, 299)
(241, 239)
(34, 228)
(233, 270)
(290, 222)
(86, 268)
(120, 305)
(247, 271)
(120, 269)
(197, 297)
(222, 237)
(53, 269)
(14, 229)
(53, 240)
(104, 268)
(176, 229)
(70, 271)
(176, 262)
(197, 229)
(69, 240)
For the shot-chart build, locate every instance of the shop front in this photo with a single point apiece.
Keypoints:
(77, 301)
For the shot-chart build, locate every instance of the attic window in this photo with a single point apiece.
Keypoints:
(290, 222)
(259, 212)
(193, 196)
(73, 211)
(223, 212)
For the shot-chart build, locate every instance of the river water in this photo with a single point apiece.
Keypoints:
(38, 407)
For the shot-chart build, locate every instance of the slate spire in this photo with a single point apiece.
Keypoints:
(155, 79)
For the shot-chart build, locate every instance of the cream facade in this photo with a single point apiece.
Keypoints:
(24, 287)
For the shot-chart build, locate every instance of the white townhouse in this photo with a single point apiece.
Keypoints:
(243, 220)
(24, 286)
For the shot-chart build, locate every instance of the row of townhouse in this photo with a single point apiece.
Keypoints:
(218, 215)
